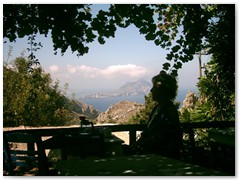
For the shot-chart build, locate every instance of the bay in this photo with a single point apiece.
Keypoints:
(102, 104)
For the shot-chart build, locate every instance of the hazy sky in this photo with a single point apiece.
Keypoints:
(127, 57)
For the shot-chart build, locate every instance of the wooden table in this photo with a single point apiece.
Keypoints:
(85, 144)
(138, 165)
(222, 136)
(222, 143)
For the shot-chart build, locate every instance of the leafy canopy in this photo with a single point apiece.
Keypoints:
(183, 29)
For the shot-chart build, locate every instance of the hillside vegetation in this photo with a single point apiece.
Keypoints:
(30, 98)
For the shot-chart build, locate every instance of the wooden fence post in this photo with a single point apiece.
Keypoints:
(31, 149)
(132, 136)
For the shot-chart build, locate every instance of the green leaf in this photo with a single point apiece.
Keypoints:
(150, 36)
(165, 37)
(175, 48)
(166, 66)
(143, 30)
(178, 65)
(101, 40)
(169, 57)
(174, 73)
(179, 41)
(157, 42)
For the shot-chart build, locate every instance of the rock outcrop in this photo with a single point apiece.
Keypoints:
(119, 113)
(189, 101)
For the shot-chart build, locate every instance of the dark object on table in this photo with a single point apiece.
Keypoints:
(84, 121)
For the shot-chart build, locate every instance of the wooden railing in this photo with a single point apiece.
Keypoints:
(132, 129)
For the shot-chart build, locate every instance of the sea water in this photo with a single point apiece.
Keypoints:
(102, 104)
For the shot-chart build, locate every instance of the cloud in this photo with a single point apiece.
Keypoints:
(81, 69)
(83, 76)
(54, 68)
(130, 70)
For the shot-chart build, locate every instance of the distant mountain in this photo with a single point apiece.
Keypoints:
(140, 87)
(134, 88)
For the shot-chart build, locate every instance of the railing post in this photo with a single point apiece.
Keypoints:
(31, 149)
(192, 142)
(132, 136)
